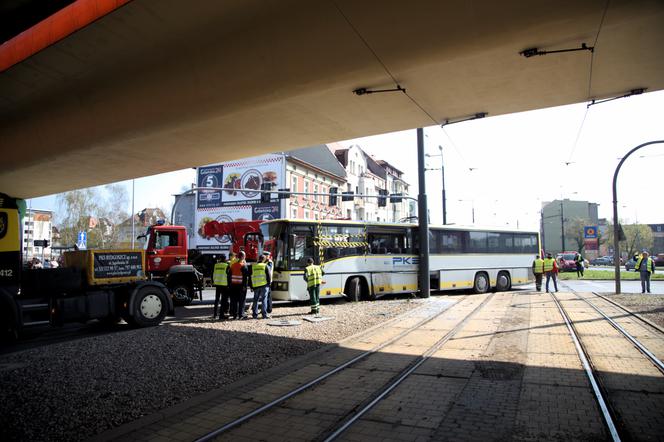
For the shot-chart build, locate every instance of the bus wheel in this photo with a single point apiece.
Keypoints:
(504, 282)
(182, 294)
(354, 289)
(150, 305)
(482, 284)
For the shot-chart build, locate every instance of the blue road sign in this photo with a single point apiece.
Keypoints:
(82, 239)
(590, 232)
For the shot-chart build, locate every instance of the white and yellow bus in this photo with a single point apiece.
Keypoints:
(363, 261)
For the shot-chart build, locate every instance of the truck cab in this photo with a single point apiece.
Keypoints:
(167, 252)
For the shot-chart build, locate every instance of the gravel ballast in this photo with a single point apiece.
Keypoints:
(649, 306)
(76, 389)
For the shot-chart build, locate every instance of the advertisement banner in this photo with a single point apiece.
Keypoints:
(265, 211)
(250, 174)
(238, 201)
(591, 244)
(223, 214)
(209, 176)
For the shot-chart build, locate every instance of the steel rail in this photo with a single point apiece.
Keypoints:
(406, 372)
(589, 372)
(654, 359)
(642, 348)
(636, 315)
(230, 425)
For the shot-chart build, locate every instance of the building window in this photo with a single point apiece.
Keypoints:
(306, 214)
(316, 198)
(294, 212)
(306, 188)
(316, 216)
(294, 183)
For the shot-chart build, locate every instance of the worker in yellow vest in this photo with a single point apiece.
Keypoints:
(538, 271)
(551, 271)
(645, 266)
(220, 282)
(313, 274)
(260, 281)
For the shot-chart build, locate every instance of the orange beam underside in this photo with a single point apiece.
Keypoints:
(54, 28)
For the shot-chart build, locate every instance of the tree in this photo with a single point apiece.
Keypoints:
(574, 231)
(73, 214)
(637, 238)
(95, 210)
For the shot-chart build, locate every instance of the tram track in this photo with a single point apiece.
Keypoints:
(610, 396)
(339, 425)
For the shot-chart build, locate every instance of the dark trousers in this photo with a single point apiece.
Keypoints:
(579, 270)
(550, 275)
(314, 298)
(645, 282)
(538, 281)
(221, 292)
(238, 299)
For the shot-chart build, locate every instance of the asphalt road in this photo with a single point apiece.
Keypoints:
(659, 270)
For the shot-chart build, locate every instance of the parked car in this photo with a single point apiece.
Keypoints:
(602, 261)
(659, 260)
(566, 262)
(630, 264)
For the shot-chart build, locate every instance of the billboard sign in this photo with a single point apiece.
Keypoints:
(239, 199)
(209, 176)
(590, 232)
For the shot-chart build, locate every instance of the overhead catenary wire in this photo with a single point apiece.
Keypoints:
(396, 83)
(590, 83)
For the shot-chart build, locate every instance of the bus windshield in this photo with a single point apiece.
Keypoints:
(274, 241)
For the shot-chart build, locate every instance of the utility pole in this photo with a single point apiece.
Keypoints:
(422, 219)
(442, 170)
(562, 225)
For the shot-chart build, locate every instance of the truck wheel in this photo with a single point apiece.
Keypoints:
(182, 294)
(149, 308)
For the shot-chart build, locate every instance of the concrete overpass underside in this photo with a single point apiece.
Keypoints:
(161, 85)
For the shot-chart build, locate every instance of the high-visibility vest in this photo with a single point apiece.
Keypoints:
(549, 264)
(258, 278)
(314, 275)
(236, 273)
(538, 265)
(648, 264)
(219, 276)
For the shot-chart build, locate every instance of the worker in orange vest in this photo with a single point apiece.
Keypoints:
(239, 273)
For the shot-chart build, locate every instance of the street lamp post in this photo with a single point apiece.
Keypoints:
(616, 226)
(472, 208)
(442, 170)
(422, 219)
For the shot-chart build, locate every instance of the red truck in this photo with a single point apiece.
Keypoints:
(184, 270)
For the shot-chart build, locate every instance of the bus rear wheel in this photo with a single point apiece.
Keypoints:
(503, 282)
(481, 284)
(354, 289)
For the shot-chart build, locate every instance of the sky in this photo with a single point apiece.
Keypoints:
(504, 167)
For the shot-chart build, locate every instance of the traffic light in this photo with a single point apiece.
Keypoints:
(333, 196)
(382, 198)
(284, 196)
(265, 195)
(395, 198)
(347, 196)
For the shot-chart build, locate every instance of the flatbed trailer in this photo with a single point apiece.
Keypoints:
(108, 285)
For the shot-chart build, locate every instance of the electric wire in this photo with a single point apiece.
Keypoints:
(389, 73)
(590, 82)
